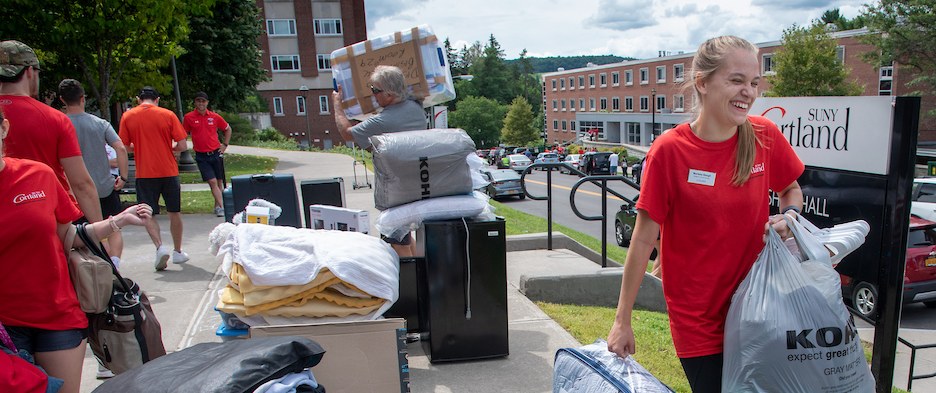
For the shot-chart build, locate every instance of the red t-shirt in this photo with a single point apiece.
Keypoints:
(39, 133)
(204, 130)
(711, 231)
(152, 130)
(35, 289)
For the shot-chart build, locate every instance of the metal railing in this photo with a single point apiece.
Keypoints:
(913, 350)
(600, 181)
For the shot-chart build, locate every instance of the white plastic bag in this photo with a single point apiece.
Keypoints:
(787, 328)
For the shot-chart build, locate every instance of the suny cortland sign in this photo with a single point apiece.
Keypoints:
(846, 133)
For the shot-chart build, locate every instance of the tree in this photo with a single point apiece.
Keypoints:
(222, 54)
(482, 118)
(452, 58)
(519, 129)
(807, 65)
(491, 76)
(101, 42)
(906, 34)
(833, 17)
(468, 56)
(527, 83)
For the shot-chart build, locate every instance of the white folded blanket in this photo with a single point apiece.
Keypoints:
(282, 255)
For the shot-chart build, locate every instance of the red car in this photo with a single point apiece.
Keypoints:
(919, 274)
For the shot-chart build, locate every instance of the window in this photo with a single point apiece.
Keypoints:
(591, 125)
(324, 62)
(278, 106)
(603, 78)
(555, 105)
(615, 78)
(591, 81)
(629, 104)
(660, 102)
(571, 83)
(886, 81)
(661, 74)
(561, 84)
(556, 125)
(767, 64)
(572, 105)
(679, 103)
(300, 105)
(327, 26)
(615, 104)
(644, 103)
(591, 104)
(281, 27)
(677, 72)
(582, 104)
(633, 133)
(553, 84)
(840, 53)
(629, 77)
(604, 104)
(562, 105)
(572, 125)
(563, 125)
(323, 104)
(644, 76)
(581, 82)
(283, 63)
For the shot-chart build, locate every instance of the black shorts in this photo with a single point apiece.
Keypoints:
(209, 164)
(110, 205)
(35, 340)
(704, 373)
(148, 191)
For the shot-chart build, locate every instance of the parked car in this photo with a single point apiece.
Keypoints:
(503, 182)
(546, 158)
(518, 162)
(483, 153)
(624, 221)
(919, 273)
(923, 197)
(595, 163)
(571, 159)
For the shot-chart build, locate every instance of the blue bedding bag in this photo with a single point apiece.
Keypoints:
(593, 369)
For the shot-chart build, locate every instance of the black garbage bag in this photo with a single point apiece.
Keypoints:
(234, 366)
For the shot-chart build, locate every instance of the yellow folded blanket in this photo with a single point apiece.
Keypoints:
(314, 308)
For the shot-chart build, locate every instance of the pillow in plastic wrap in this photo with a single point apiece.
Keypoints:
(594, 369)
(398, 221)
(414, 165)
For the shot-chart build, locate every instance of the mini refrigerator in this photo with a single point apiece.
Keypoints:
(279, 188)
(463, 309)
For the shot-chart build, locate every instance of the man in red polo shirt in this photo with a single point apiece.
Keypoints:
(203, 125)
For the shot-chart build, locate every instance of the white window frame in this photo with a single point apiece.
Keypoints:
(661, 74)
(581, 80)
(272, 31)
(660, 102)
(603, 104)
(645, 103)
(591, 81)
(572, 125)
(278, 106)
(274, 63)
(555, 105)
(328, 27)
(615, 104)
(582, 106)
(564, 124)
(644, 76)
(300, 106)
(840, 53)
(556, 125)
(615, 78)
(561, 83)
(562, 105)
(323, 105)
(628, 104)
(679, 103)
(678, 72)
(323, 61)
(572, 105)
(629, 78)
(571, 82)
(591, 104)
(767, 64)
(603, 79)
(553, 84)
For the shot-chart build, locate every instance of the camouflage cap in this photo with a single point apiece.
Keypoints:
(14, 56)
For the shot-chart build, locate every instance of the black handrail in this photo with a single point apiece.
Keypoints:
(913, 350)
(600, 181)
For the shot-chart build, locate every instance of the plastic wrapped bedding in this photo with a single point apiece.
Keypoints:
(593, 369)
(414, 165)
(422, 60)
(397, 222)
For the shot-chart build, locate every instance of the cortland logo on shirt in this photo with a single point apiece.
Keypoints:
(210, 121)
(30, 197)
(757, 169)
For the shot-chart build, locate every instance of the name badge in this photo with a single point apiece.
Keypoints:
(701, 177)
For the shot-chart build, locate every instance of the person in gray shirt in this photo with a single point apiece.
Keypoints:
(400, 113)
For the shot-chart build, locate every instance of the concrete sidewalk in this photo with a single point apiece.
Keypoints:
(184, 296)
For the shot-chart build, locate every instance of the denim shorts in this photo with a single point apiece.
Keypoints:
(35, 340)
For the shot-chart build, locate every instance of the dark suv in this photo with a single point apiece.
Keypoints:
(624, 222)
(595, 163)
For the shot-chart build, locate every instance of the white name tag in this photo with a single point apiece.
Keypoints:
(701, 177)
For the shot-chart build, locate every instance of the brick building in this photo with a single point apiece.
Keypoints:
(615, 100)
(297, 42)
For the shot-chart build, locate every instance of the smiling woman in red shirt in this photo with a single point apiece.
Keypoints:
(704, 191)
(38, 304)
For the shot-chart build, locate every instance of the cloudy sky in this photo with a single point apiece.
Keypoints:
(632, 28)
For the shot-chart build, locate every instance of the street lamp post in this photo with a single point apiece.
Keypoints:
(652, 114)
(304, 92)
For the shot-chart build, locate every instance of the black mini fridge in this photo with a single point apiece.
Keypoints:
(464, 307)
(279, 188)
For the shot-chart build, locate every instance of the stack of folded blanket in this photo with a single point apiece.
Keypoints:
(280, 274)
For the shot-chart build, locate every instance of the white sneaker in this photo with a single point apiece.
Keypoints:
(179, 257)
(219, 211)
(162, 257)
(104, 373)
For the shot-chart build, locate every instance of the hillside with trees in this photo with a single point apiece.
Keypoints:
(553, 63)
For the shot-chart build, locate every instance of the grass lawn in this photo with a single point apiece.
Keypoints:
(193, 202)
(235, 164)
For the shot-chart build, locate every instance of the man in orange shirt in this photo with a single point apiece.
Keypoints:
(156, 138)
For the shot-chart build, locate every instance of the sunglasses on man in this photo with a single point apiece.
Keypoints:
(375, 90)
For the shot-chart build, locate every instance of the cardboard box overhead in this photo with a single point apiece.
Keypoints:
(361, 356)
(417, 52)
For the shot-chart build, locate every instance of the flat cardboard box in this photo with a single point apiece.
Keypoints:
(361, 356)
(339, 218)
